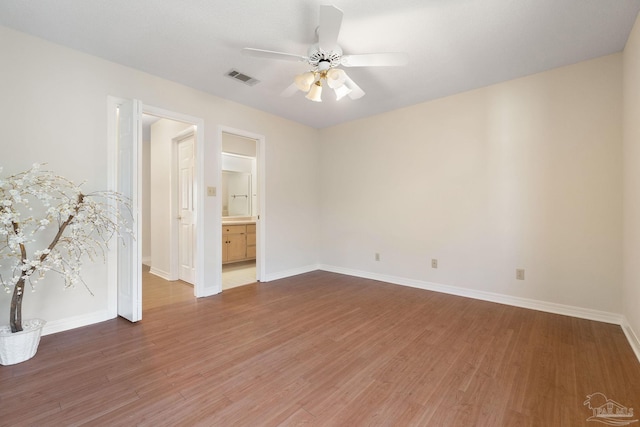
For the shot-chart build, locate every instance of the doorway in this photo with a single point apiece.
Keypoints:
(125, 176)
(240, 204)
(126, 173)
(169, 203)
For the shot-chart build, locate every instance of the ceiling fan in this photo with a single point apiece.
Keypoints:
(325, 57)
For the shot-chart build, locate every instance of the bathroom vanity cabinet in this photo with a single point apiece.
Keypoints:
(238, 242)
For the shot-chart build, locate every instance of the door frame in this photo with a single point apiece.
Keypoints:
(112, 173)
(261, 198)
(125, 301)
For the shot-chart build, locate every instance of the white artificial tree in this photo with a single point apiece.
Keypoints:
(47, 224)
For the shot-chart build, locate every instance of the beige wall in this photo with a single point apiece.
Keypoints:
(522, 174)
(631, 289)
(54, 110)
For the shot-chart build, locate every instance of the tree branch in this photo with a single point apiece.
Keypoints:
(15, 314)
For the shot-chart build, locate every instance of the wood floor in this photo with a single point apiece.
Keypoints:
(157, 292)
(322, 349)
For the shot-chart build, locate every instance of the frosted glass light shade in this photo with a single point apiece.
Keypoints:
(336, 78)
(315, 92)
(304, 81)
(341, 92)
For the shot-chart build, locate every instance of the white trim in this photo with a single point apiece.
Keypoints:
(68, 323)
(240, 156)
(129, 305)
(261, 254)
(292, 272)
(632, 336)
(162, 274)
(549, 307)
(185, 133)
(112, 255)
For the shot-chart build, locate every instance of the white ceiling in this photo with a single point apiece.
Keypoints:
(454, 45)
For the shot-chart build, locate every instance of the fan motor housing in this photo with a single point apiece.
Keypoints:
(318, 56)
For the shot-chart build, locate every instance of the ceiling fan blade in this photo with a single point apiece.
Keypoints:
(390, 59)
(356, 92)
(270, 54)
(289, 91)
(330, 22)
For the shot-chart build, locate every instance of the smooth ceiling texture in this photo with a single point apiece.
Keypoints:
(454, 45)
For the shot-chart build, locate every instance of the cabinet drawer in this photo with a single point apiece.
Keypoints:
(251, 228)
(234, 229)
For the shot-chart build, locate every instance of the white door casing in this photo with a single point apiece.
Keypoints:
(124, 261)
(260, 204)
(186, 209)
(129, 272)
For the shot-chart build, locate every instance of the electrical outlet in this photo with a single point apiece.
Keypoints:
(377, 256)
(434, 263)
(519, 273)
(211, 191)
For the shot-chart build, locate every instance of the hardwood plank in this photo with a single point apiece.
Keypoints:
(300, 418)
(322, 349)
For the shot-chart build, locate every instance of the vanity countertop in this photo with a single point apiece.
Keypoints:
(240, 221)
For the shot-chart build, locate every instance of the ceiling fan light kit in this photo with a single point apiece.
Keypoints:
(325, 56)
(311, 82)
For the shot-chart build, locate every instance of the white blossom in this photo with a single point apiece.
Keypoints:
(54, 203)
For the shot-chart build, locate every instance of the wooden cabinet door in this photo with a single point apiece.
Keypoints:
(238, 242)
(225, 248)
(251, 241)
(251, 252)
(233, 242)
(236, 247)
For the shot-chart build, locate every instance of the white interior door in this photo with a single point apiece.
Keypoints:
(186, 209)
(129, 275)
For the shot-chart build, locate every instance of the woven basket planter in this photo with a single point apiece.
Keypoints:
(20, 346)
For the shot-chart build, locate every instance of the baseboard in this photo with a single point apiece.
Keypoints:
(550, 307)
(162, 274)
(289, 273)
(146, 260)
(632, 337)
(68, 323)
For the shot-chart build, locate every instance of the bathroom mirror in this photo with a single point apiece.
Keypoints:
(236, 194)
